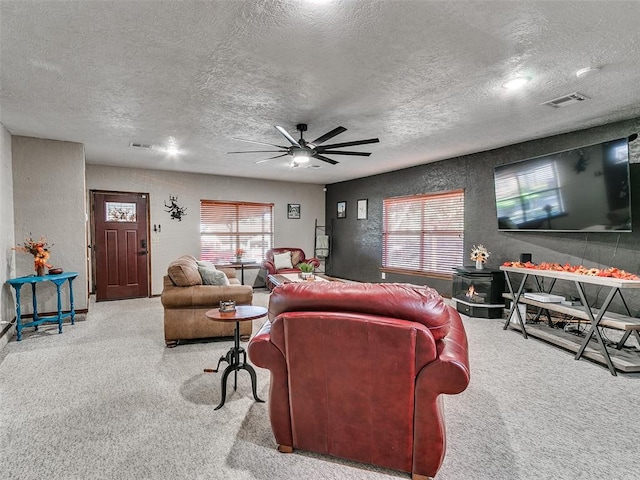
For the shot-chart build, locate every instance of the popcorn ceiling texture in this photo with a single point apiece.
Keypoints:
(424, 77)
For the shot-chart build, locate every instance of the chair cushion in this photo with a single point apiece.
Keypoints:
(296, 257)
(183, 272)
(282, 260)
(211, 276)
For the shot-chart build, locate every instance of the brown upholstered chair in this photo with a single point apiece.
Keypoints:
(185, 300)
(358, 370)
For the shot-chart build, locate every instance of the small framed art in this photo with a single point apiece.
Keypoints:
(293, 210)
(342, 209)
(362, 209)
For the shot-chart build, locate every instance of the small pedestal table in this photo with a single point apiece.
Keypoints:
(242, 313)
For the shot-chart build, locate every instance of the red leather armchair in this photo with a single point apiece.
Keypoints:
(297, 257)
(358, 370)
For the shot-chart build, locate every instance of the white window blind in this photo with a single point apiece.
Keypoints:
(424, 233)
(227, 226)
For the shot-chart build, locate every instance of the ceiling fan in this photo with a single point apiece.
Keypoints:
(302, 151)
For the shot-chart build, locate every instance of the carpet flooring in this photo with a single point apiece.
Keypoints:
(107, 400)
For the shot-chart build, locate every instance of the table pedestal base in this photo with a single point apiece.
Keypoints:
(232, 357)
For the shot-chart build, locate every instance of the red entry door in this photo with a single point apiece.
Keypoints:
(120, 245)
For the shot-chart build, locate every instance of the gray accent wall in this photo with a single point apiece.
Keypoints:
(357, 244)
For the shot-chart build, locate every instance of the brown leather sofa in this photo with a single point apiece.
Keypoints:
(297, 256)
(186, 299)
(357, 371)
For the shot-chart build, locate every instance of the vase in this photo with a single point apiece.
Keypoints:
(39, 270)
(479, 265)
(238, 259)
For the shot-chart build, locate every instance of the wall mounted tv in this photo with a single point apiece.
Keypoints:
(583, 189)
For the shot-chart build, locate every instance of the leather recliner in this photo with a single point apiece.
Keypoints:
(358, 370)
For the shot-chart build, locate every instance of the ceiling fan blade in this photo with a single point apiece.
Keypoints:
(325, 159)
(271, 158)
(259, 143)
(328, 135)
(262, 151)
(342, 152)
(348, 144)
(287, 136)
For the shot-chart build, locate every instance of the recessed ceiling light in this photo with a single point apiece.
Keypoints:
(517, 82)
(583, 72)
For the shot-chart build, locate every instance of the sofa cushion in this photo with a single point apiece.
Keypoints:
(282, 260)
(183, 272)
(211, 276)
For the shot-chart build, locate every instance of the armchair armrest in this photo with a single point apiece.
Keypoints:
(205, 295)
(269, 267)
(263, 353)
(313, 261)
(229, 272)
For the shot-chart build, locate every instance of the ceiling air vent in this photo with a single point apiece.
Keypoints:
(144, 146)
(566, 100)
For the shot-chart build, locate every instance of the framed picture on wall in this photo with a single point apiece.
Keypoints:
(362, 209)
(342, 209)
(293, 210)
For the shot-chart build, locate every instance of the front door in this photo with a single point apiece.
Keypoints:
(120, 248)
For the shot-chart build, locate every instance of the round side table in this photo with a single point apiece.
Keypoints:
(242, 313)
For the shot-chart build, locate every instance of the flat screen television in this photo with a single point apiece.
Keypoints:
(583, 189)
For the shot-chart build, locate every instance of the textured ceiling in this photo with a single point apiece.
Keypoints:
(423, 76)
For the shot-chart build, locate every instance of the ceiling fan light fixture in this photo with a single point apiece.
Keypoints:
(301, 157)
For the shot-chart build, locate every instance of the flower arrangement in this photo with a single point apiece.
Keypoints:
(40, 251)
(480, 254)
(239, 252)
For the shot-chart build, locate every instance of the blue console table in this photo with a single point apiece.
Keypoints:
(58, 280)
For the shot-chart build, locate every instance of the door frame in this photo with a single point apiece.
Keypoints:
(92, 235)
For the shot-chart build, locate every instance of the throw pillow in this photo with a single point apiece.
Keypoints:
(282, 260)
(213, 277)
(296, 257)
(205, 264)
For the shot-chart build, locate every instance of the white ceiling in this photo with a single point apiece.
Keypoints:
(423, 76)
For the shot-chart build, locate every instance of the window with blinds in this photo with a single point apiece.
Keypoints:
(424, 234)
(226, 227)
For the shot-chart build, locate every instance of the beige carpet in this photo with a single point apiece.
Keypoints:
(107, 400)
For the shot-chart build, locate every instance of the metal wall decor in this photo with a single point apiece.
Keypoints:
(174, 209)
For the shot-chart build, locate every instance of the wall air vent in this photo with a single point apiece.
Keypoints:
(144, 146)
(566, 100)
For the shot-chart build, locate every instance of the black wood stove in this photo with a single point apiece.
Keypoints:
(478, 293)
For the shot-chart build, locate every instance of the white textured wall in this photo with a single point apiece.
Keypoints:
(7, 304)
(49, 201)
(179, 238)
